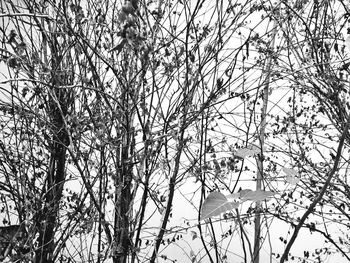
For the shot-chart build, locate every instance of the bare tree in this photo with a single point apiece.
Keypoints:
(111, 111)
(111, 97)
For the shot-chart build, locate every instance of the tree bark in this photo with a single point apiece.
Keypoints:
(58, 104)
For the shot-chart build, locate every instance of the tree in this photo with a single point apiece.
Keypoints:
(306, 132)
(325, 86)
(108, 97)
(113, 112)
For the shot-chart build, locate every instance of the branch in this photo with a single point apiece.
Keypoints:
(320, 196)
(25, 14)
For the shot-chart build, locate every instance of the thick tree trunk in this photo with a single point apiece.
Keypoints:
(55, 181)
(56, 177)
(121, 226)
(58, 103)
(122, 239)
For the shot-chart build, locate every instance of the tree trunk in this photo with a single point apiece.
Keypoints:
(123, 197)
(55, 183)
(58, 103)
(121, 227)
(260, 158)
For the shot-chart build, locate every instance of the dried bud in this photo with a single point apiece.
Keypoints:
(12, 62)
(12, 37)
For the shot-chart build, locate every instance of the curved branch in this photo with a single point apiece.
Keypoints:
(320, 196)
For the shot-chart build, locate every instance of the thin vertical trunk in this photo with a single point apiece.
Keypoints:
(123, 197)
(260, 166)
(260, 158)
